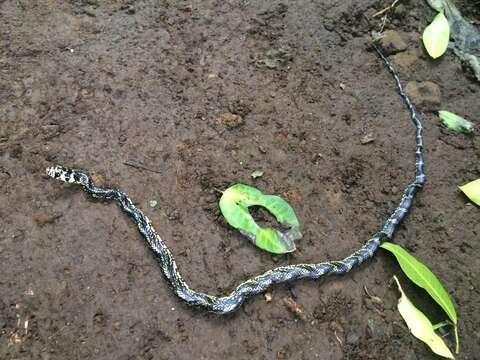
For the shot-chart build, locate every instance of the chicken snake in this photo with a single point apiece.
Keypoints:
(229, 303)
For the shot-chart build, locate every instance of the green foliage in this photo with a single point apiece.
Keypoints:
(455, 122)
(234, 205)
(472, 190)
(423, 277)
(436, 36)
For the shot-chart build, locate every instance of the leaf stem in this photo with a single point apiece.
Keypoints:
(457, 341)
(442, 324)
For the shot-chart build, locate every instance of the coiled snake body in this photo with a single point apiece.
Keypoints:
(229, 303)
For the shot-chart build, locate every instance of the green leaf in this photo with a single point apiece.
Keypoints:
(238, 216)
(420, 326)
(243, 194)
(234, 205)
(436, 36)
(423, 277)
(279, 208)
(472, 190)
(268, 240)
(455, 122)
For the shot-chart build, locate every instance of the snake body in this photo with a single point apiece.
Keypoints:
(231, 302)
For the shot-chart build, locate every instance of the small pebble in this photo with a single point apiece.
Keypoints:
(257, 174)
(367, 139)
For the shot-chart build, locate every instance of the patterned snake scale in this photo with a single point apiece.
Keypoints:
(231, 302)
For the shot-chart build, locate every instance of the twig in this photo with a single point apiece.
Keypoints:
(141, 167)
(388, 8)
(384, 22)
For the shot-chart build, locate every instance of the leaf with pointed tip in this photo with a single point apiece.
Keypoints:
(423, 277)
(436, 36)
(420, 326)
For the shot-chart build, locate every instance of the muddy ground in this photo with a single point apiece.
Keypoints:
(102, 85)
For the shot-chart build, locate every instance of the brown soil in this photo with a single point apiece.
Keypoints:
(99, 84)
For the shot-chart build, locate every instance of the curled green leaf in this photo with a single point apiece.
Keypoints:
(420, 326)
(472, 190)
(436, 36)
(234, 205)
(455, 122)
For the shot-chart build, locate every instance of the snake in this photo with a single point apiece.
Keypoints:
(229, 303)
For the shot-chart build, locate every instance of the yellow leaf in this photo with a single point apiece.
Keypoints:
(420, 326)
(472, 190)
(436, 36)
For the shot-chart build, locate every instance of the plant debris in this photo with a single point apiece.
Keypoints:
(294, 308)
(256, 174)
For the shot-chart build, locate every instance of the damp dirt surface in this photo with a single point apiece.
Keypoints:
(173, 100)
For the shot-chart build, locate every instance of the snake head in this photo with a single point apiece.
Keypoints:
(55, 171)
(67, 175)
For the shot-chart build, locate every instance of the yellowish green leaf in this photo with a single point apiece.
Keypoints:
(436, 36)
(455, 122)
(420, 326)
(472, 190)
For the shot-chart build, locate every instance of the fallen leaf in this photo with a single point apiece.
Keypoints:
(472, 190)
(420, 326)
(455, 122)
(436, 36)
(234, 205)
(423, 277)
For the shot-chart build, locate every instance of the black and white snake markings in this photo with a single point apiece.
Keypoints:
(258, 284)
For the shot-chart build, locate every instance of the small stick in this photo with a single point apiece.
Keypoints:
(384, 22)
(141, 167)
(388, 8)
